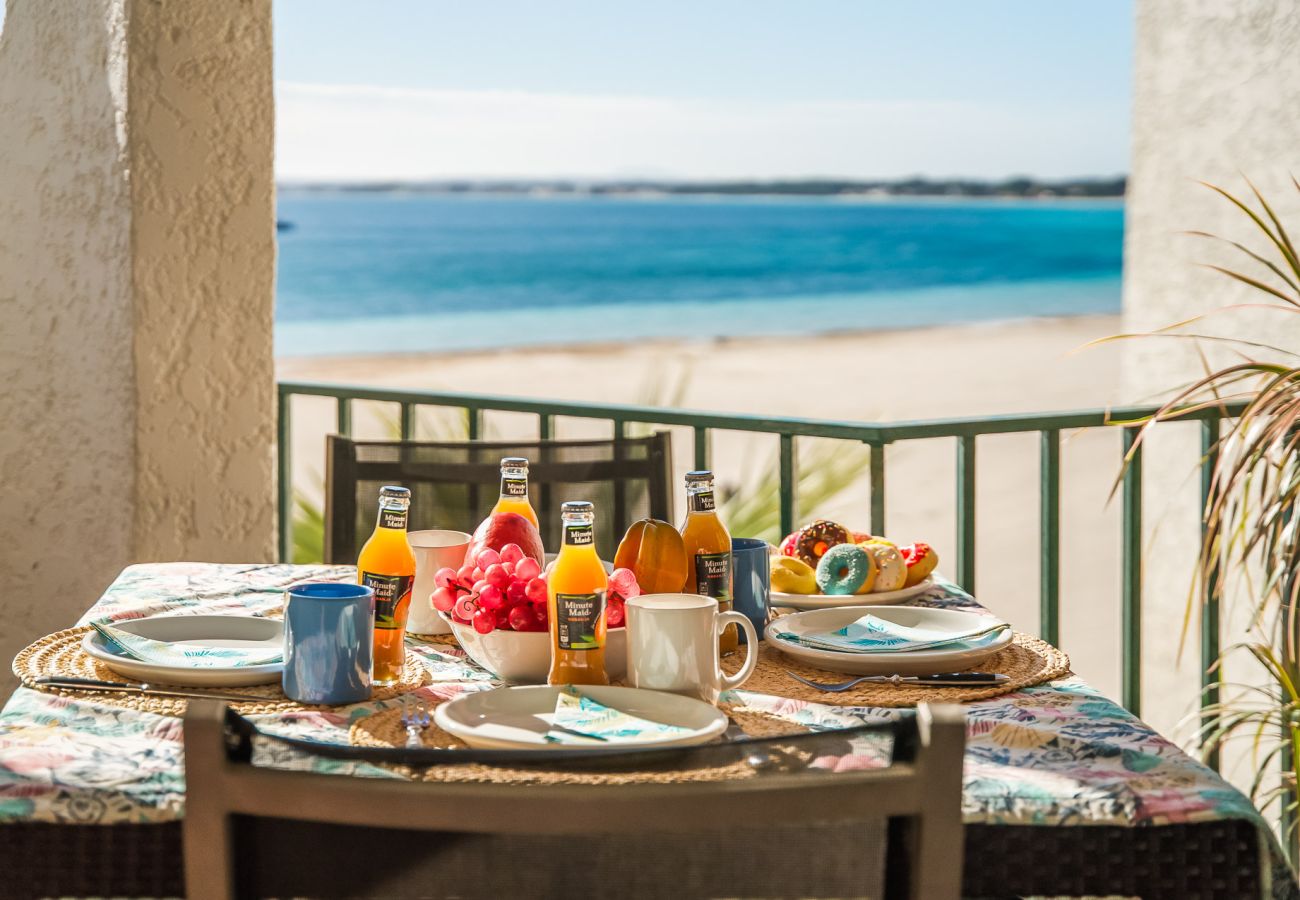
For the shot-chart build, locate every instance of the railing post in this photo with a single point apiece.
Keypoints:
(344, 419)
(1210, 674)
(877, 463)
(1049, 518)
(473, 422)
(620, 486)
(787, 465)
(408, 421)
(966, 512)
(284, 514)
(701, 447)
(1132, 574)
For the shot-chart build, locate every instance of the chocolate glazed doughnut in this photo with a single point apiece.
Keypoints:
(815, 539)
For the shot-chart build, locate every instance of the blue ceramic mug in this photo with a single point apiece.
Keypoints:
(751, 581)
(329, 642)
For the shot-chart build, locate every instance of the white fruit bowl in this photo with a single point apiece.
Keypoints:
(524, 657)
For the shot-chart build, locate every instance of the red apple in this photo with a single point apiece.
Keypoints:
(500, 529)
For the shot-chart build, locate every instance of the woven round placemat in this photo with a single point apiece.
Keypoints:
(384, 729)
(61, 654)
(1027, 661)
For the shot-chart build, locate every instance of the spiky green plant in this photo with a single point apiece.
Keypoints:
(1253, 531)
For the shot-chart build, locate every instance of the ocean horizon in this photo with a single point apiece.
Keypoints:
(376, 272)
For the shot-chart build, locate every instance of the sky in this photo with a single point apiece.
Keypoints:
(414, 89)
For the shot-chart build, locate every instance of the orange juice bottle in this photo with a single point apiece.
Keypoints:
(575, 598)
(387, 566)
(514, 489)
(708, 552)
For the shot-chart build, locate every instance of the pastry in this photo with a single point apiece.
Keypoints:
(786, 547)
(793, 576)
(893, 570)
(845, 569)
(812, 541)
(921, 561)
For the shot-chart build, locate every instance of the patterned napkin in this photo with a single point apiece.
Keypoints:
(193, 655)
(580, 715)
(871, 634)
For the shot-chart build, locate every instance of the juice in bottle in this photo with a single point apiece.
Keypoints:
(514, 489)
(708, 552)
(387, 566)
(575, 598)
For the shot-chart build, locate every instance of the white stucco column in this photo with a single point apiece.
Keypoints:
(1217, 86)
(137, 245)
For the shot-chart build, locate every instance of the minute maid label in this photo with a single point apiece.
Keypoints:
(713, 575)
(578, 535)
(392, 597)
(392, 518)
(514, 487)
(576, 618)
(702, 502)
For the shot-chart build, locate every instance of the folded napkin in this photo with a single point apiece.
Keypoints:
(871, 634)
(193, 655)
(578, 713)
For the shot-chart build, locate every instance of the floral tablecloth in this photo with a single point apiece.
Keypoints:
(1057, 754)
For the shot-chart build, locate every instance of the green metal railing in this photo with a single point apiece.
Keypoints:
(878, 436)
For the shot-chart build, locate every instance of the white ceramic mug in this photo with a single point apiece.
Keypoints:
(433, 550)
(672, 645)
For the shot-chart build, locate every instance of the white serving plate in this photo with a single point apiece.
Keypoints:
(517, 718)
(916, 662)
(524, 657)
(834, 601)
(252, 632)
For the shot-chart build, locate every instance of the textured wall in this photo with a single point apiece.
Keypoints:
(67, 473)
(1217, 89)
(203, 204)
(137, 264)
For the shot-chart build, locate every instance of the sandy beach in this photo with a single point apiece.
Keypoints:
(969, 370)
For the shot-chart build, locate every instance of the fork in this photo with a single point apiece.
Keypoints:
(953, 679)
(415, 718)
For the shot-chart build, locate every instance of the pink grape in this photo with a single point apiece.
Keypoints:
(522, 619)
(527, 569)
(443, 599)
(509, 568)
(623, 582)
(477, 574)
(511, 553)
(479, 585)
(485, 621)
(487, 557)
(466, 607)
(444, 577)
(497, 576)
(465, 575)
(517, 593)
(490, 597)
(536, 590)
(503, 618)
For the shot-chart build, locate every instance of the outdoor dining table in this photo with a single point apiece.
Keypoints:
(1065, 793)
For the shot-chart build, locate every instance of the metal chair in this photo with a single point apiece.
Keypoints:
(893, 831)
(455, 485)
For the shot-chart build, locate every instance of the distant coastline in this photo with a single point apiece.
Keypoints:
(1009, 188)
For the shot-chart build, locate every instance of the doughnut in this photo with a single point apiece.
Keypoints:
(815, 539)
(793, 576)
(859, 537)
(921, 561)
(893, 571)
(843, 569)
(786, 547)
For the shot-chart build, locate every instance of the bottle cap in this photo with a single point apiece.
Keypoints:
(699, 475)
(514, 462)
(570, 507)
(395, 490)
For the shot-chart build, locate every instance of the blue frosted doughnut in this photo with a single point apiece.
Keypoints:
(843, 569)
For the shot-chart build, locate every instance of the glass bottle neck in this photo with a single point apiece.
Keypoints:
(392, 514)
(699, 498)
(580, 532)
(514, 483)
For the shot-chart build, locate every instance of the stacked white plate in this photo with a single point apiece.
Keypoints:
(832, 601)
(245, 632)
(912, 662)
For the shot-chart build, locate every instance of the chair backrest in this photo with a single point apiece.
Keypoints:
(892, 831)
(455, 485)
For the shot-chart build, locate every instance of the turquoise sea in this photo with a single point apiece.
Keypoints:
(374, 273)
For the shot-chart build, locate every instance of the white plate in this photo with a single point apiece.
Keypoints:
(916, 662)
(517, 718)
(834, 601)
(252, 632)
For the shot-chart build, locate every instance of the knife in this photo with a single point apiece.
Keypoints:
(92, 684)
(949, 679)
